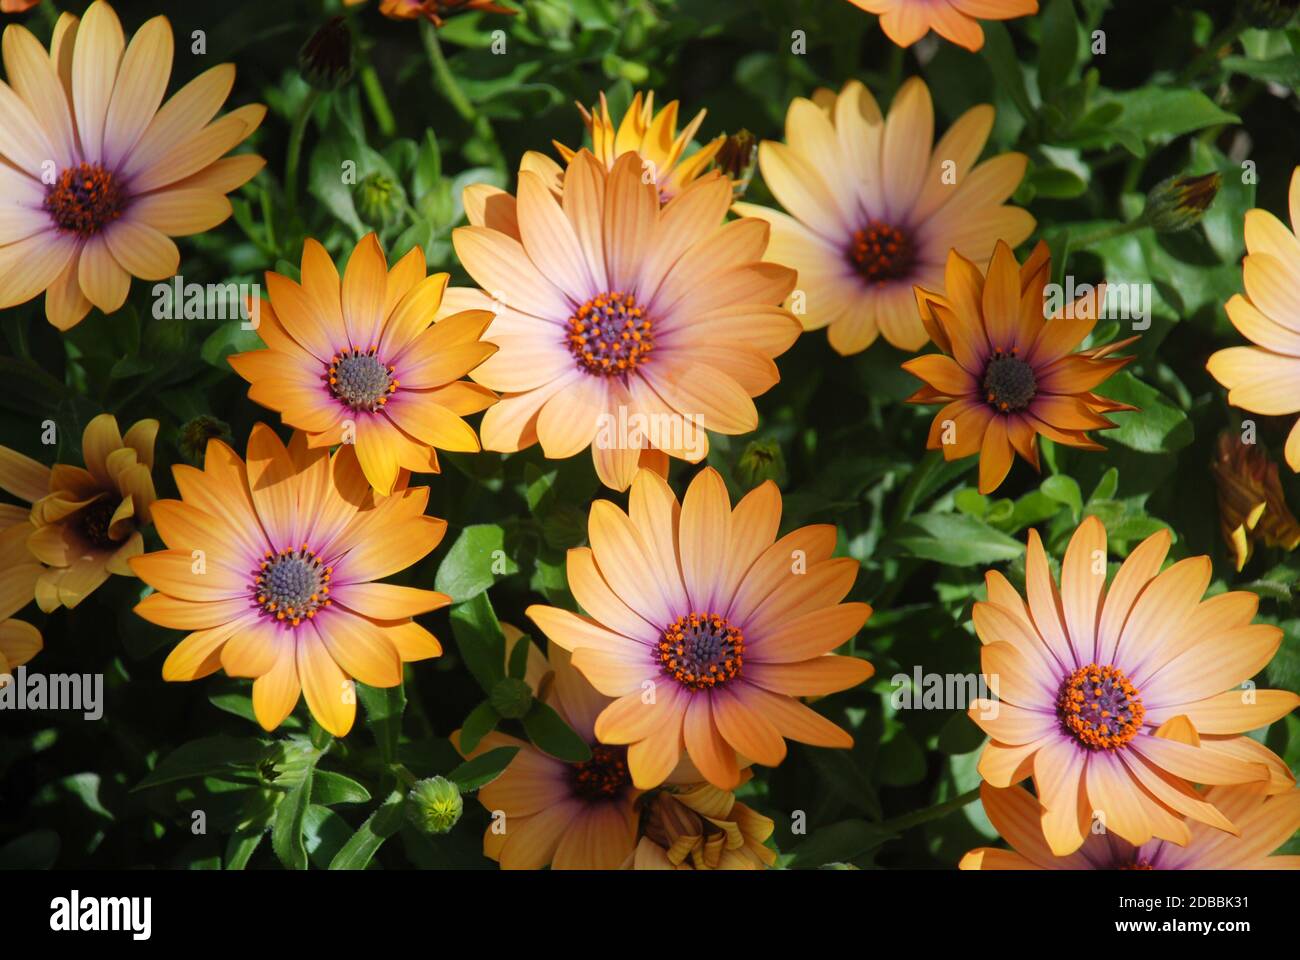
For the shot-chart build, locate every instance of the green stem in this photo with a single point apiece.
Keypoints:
(446, 80)
(404, 776)
(378, 101)
(1107, 233)
(915, 483)
(1210, 54)
(909, 820)
(296, 134)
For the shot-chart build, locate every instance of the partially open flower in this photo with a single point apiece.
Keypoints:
(325, 60)
(87, 523)
(1252, 507)
(19, 641)
(654, 138)
(701, 827)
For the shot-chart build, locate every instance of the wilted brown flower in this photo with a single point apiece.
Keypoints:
(701, 827)
(1252, 507)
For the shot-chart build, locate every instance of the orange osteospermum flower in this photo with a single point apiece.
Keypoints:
(1005, 374)
(572, 816)
(1117, 700)
(84, 524)
(97, 177)
(1265, 821)
(272, 564)
(623, 326)
(651, 136)
(1265, 378)
(707, 629)
(874, 205)
(360, 360)
(907, 21)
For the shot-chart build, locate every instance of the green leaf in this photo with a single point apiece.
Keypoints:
(384, 707)
(473, 562)
(957, 539)
(1000, 53)
(1157, 426)
(550, 734)
(330, 788)
(370, 836)
(479, 638)
(212, 756)
(483, 769)
(1157, 114)
(840, 843)
(901, 762)
(1059, 50)
(519, 657)
(243, 843)
(1065, 489)
(286, 829)
(481, 721)
(35, 850)
(230, 337)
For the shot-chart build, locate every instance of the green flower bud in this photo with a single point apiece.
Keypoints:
(762, 460)
(1269, 14)
(1180, 202)
(325, 60)
(380, 200)
(511, 698)
(434, 805)
(196, 433)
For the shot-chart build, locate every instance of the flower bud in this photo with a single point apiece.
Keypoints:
(1180, 202)
(379, 199)
(511, 698)
(736, 160)
(434, 805)
(325, 60)
(762, 460)
(196, 433)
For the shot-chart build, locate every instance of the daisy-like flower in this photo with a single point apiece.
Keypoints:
(623, 326)
(874, 205)
(1265, 822)
(651, 136)
(273, 565)
(84, 523)
(96, 178)
(707, 629)
(360, 361)
(700, 827)
(907, 21)
(1252, 506)
(1117, 700)
(572, 816)
(1005, 375)
(1265, 378)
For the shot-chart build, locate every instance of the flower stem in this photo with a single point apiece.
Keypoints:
(1107, 233)
(446, 80)
(1210, 54)
(378, 101)
(915, 483)
(939, 810)
(294, 157)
